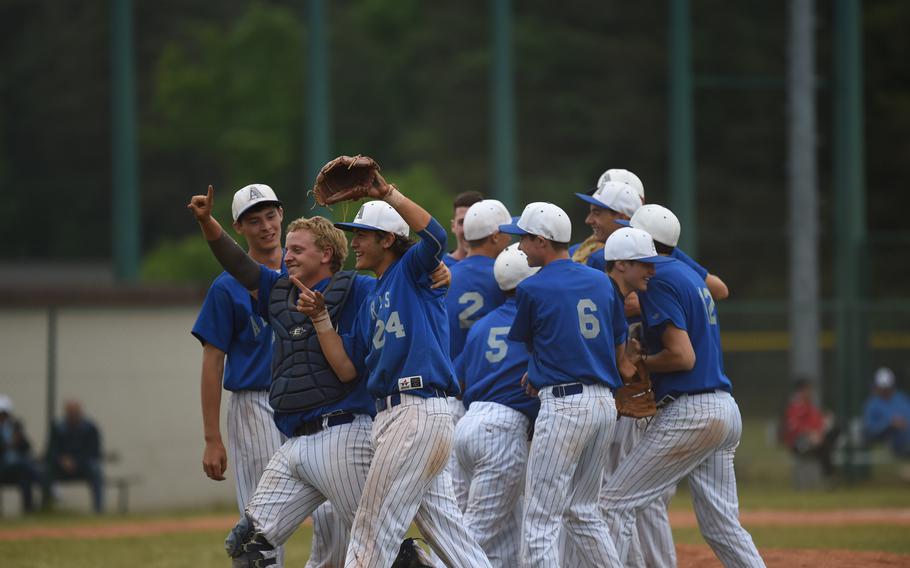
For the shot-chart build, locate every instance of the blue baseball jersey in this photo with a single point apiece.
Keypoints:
(473, 294)
(229, 320)
(357, 401)
(491, 365)
(571, 321)
(677, 295)
(595, 260)
(402, 331)
(687, 260)
(449, 260)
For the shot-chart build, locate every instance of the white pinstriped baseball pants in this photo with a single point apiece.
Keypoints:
(565, 470)
(407, 482)
(695, 437)
(253, 439)
(651, 545)
(491, 445)
(306, 472)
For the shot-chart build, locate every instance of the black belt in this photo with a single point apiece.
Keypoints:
(673, 395)
(560, 391)
(313, 426)
(395, 399)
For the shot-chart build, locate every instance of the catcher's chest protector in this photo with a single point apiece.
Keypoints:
(301, 377)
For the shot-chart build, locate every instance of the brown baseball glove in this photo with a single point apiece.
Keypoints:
(346, 178)
(635, 398)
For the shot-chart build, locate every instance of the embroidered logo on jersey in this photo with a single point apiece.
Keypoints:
(410, 383)
(297, 332)
(255, 193)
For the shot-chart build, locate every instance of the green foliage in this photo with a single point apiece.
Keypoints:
(186, 260)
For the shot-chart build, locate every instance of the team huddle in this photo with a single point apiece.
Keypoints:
(469, 393)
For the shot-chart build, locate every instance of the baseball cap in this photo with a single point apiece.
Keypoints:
(251, 195)
(484, 218)
(6, 404)
(543, 220)
(625, 176)
(511, 267)
(615, 195)
(632, 244)
(656, 220)
(884, 378)
(377, 216)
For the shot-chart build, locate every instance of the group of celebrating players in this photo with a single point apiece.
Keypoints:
(470, 393)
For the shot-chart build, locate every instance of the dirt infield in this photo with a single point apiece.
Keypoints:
(689, 555)
(700, 556)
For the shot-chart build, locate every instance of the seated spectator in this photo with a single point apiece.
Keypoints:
(74, 452)
(887, 414)
(16, 465)
(807, 430)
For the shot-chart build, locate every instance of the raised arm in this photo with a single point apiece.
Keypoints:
(717, 287)
(227, 252)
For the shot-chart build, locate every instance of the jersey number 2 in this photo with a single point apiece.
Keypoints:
(391, 325)
(475, 302)
(587, 323)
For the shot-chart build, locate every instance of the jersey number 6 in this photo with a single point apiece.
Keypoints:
(587, 323)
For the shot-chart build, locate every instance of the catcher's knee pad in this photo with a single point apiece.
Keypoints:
(248, 548)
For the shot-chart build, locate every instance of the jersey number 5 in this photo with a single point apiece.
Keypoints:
(392, 325)
(587, 323)
(498, 346)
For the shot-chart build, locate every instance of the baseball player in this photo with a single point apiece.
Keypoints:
(491, 440)
(401, 336)
(630, 262)
(236, 352)
(327, 424)
(697, 429)
(573, 326)
(611, 201)
(473, 294)
(601, 226)
(460, 206)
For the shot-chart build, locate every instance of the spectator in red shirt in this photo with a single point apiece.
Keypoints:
(807, 430)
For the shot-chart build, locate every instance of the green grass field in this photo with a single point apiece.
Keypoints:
(763, 485)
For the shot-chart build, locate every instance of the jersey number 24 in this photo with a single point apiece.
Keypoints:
(391, 325)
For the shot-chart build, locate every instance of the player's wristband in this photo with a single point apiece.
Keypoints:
(394, 197)
(322, 322)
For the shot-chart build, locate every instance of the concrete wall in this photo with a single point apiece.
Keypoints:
(136, 370)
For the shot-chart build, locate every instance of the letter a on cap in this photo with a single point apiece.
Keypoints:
(255, 193)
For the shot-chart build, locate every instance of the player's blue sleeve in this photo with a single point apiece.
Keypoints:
(267, 279)
(687, 260)
(661, 306)
(522, 325)
(620, 324)
(215, 323)
(426, 255)
(597, 261)
(459, 365)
